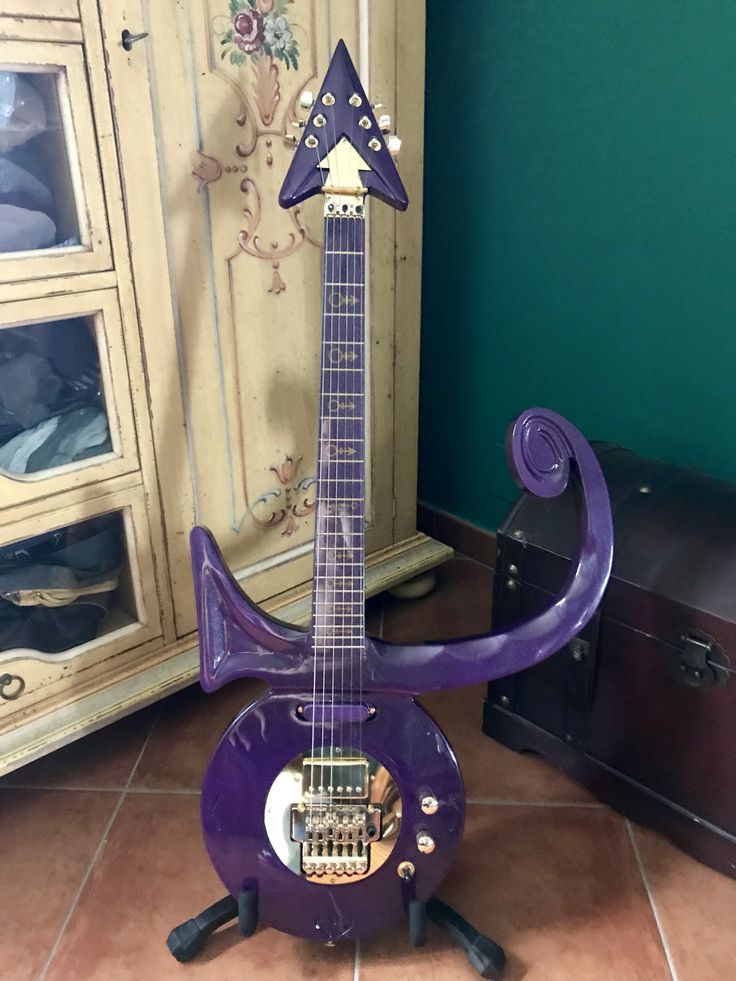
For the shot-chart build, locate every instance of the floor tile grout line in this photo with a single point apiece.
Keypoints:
(652, 902)
(82, 788)
(499, 801)
(98, 851)
(356, 967)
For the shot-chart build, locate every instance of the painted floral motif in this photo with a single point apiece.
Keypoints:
(260, 27)
(294, 499)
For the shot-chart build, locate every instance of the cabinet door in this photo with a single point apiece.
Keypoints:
(52, 212)
(77, 589)
(237, 453)
(65, 410)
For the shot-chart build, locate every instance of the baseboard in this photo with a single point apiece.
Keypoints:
(476, 543)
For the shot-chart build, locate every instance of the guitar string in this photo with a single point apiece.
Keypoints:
(345, 520)
(354, 519)
(321, 517)
(338, 260)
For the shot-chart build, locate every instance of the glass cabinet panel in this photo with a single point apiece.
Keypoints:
(52, 215)
(52, 403)
(65, 407)
(65, 587)
(37, 202)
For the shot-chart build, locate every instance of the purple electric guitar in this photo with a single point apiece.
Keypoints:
(333, 805)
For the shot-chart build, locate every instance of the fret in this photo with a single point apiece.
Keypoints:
(339, 480)
(343, 647)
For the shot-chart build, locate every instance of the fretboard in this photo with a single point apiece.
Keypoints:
(338, 596)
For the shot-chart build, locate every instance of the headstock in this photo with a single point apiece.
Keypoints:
(343, 150)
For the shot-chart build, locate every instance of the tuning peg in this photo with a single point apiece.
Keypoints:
(306, 99)
(394, 145)
(384, 123)
(299, 123)
(290, 139)
(375, 106)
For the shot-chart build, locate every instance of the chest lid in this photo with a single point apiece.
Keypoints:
(674, 538)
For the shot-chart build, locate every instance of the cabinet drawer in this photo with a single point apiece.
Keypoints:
(66, 417)
(52, 210)
(77, 590)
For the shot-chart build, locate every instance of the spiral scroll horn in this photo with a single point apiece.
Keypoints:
(544, 451)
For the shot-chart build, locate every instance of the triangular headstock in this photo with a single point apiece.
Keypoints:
(342, 147)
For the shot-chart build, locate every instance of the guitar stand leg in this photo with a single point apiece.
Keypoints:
(483, 953)
(186, 940)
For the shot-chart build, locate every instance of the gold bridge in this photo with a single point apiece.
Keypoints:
(333, 817)
(335, 822)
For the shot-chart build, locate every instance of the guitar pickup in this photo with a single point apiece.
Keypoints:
(335, 779)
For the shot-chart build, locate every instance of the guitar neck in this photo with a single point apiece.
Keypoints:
(339, 551)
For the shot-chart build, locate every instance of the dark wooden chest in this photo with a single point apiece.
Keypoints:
(641, 707)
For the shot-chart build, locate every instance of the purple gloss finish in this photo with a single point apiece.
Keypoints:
(304, 177)
(238, 640)
(249, 757)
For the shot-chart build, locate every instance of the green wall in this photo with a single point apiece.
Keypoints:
(580, 234)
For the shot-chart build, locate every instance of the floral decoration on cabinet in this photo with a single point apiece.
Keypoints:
(296, 500)
(260, 27)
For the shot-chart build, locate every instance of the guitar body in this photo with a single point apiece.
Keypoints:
(333, 806)
(255, 776)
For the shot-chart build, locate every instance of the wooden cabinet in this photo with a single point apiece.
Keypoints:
(191, 301)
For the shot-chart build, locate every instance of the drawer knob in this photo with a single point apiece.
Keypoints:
(12, 686)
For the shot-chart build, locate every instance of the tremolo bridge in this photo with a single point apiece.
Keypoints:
(335, 822)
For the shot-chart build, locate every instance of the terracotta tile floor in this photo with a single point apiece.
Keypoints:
(101, 855)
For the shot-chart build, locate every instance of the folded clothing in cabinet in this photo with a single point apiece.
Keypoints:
(55, 588)
(51, 402)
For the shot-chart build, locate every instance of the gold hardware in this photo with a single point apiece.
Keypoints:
(375, 106)
(429, 804)
(320, 120)
(333, 840)
(328, 99)
(312, 142)
(364, 122)
(405, 870)
(425, 843)
(374, 144)
(344, 203)
(355, 100)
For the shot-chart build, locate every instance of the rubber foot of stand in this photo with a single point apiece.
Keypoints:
(483, 953)
(186, 940)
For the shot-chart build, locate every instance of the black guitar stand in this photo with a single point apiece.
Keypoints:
(186, 940)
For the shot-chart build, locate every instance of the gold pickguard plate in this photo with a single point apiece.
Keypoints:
(286, 791)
